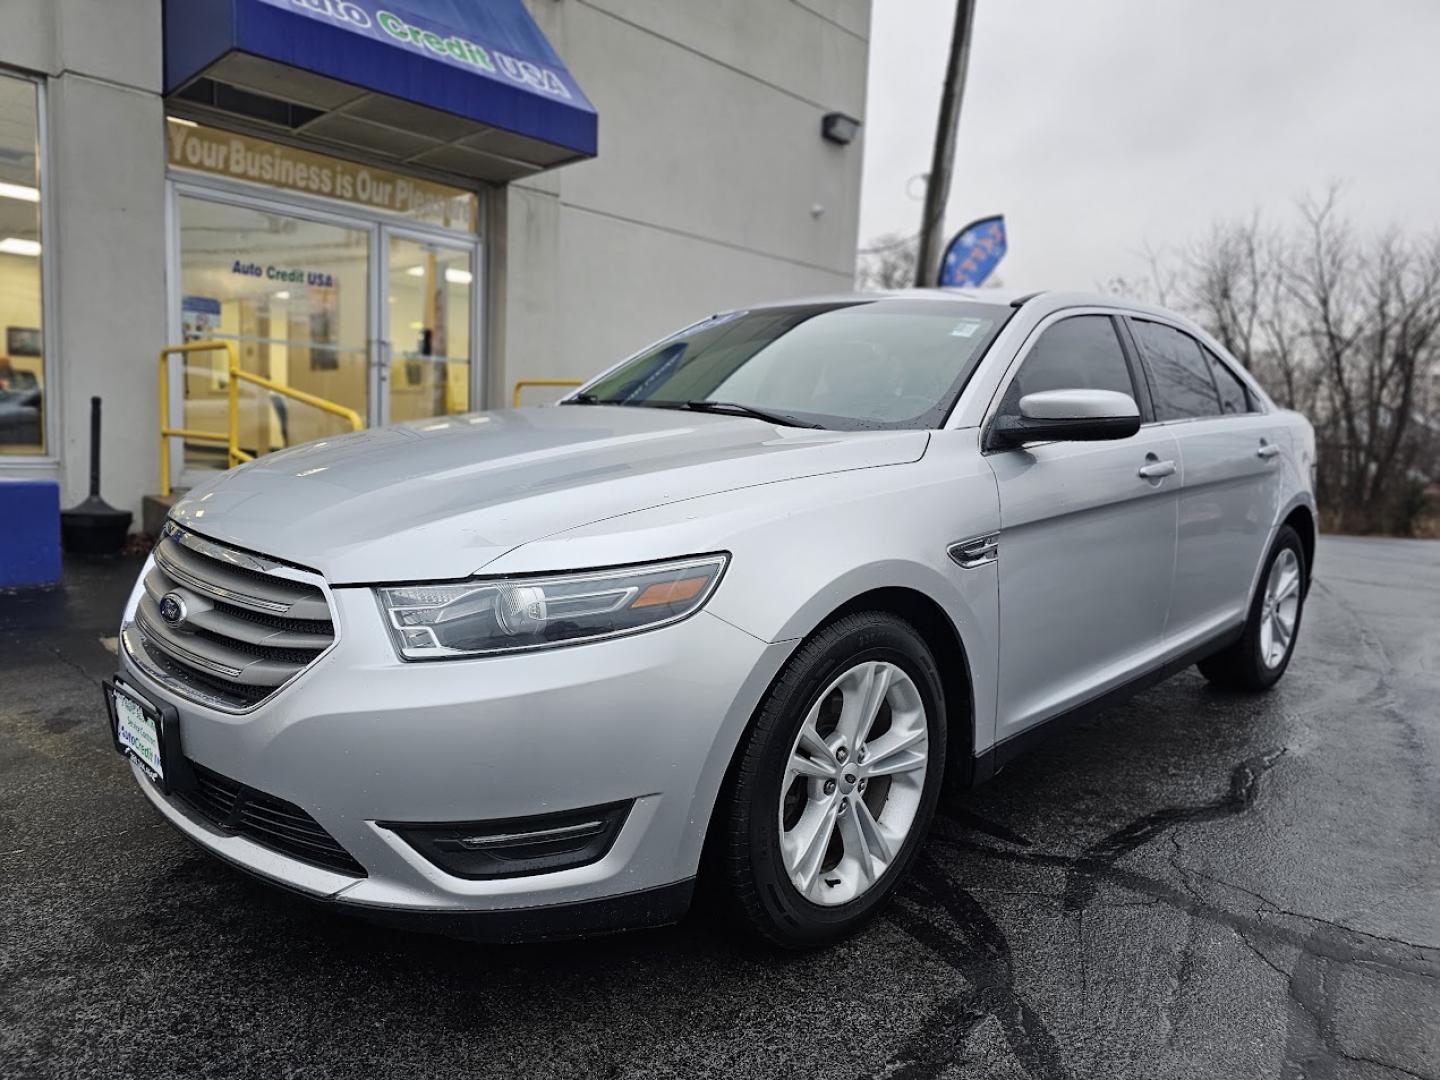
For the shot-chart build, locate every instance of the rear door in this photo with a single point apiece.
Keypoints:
(1231, 478)
(1087, 544)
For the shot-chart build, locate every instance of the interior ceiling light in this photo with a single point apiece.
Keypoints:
(19, 191)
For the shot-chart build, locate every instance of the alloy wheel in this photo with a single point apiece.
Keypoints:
(853, 783)
(1280, 608)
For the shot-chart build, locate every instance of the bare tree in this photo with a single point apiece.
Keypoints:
(1372, 313)
(888, 263)
(1343, 327)
(1157, 286)
(1236, 283)
(1227, 284)
(1280, 360)
(1162, 276)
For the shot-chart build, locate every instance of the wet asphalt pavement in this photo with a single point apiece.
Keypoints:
(1192, 884)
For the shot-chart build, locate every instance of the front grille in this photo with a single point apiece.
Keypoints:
(239, 626)
(274, 823)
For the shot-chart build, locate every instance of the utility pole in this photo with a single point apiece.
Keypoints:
(937, 187)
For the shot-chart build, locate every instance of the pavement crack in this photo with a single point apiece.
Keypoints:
(966, 817)
(1360, 1059)
(1260, 955)
(1105, 852)
(1270, 907)
(938, 1045)
(55, 651)
(1423, 961)
(1312, 1044)
(968, 940)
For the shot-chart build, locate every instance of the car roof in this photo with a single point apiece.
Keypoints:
(1048, 299)
(983, 296)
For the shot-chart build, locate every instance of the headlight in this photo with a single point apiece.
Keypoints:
(495, 615)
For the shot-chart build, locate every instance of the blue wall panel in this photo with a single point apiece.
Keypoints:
(29, 533)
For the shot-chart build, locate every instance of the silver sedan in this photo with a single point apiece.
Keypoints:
(732, 613)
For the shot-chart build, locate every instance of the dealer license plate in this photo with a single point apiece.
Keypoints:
(138, 733)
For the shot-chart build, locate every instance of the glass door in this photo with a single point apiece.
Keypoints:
(293, 294)
(429, 320)
(379, 317)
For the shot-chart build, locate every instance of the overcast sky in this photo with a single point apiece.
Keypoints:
(1097, 126)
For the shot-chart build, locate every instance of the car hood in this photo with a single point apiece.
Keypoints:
(440, 499)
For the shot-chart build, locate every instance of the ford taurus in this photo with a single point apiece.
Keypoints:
(732, 612)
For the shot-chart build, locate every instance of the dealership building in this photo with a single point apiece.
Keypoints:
(391, 211)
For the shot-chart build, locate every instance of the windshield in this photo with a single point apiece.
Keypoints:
(849, 365)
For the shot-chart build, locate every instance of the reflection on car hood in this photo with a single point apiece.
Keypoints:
(440, 499)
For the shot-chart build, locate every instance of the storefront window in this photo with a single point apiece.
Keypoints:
(351, 284)
(291, 294)
(22, 353)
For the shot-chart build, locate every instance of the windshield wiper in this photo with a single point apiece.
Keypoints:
(736, 409)
(728, 408)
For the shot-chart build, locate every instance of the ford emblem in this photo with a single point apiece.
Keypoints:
(172, 608)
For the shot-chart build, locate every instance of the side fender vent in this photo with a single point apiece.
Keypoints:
(977, 551)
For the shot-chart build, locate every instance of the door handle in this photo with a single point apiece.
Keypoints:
(1157, 470)
(1267, 450)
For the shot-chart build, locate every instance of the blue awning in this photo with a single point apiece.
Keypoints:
(465, 86)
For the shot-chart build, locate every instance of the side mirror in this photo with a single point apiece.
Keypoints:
(1068, 416)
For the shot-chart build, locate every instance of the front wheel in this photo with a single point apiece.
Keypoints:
(1262, 654)
(836, 782)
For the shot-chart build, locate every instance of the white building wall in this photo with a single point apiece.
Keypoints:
(705, 191)
(104, 191)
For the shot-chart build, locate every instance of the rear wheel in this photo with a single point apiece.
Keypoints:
(836, 783)
(1262, 654)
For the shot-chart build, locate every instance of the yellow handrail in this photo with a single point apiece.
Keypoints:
(522, 383)
(166, 431)
(230, 438)
(334, 409)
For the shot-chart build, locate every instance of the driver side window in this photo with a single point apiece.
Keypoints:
(1082, 352)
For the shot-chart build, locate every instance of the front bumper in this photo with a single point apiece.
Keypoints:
(361, 738)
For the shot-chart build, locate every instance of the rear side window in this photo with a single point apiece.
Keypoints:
(1079, 353)
(1180, 379)
(1234, 398)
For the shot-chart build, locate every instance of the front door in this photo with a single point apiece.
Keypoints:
(1087, 543)
(376, 316)
(425, 363)
(292, 293)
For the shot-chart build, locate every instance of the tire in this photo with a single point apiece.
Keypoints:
(769, 809)
(1244, 665)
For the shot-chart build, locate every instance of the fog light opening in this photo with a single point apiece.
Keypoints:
(517, 847)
